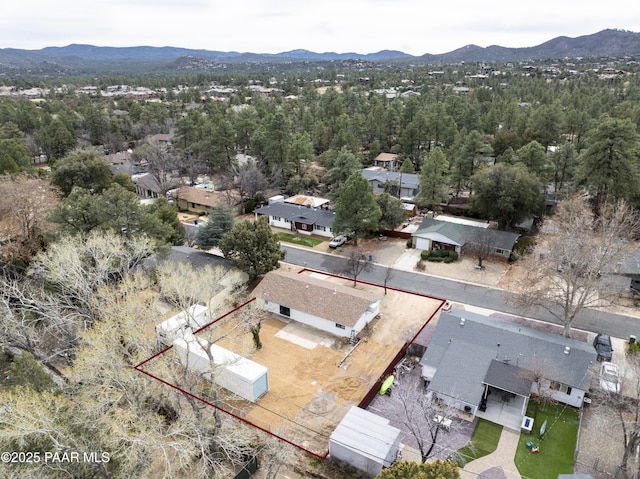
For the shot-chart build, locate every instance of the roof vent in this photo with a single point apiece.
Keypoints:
(567, 349)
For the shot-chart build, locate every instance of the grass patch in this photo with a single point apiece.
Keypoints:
(484, 441)
(556, 448)
(297, 239)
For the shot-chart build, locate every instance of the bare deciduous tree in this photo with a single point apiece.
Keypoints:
(575, 261)
(357, 262)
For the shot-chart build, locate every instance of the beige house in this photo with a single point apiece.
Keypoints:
(197, 200)
(388, 161)
(317, 302)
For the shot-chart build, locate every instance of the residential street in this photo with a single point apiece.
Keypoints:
(616, 325)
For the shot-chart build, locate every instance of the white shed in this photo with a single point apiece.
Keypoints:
(235, 373)
(365, 441)
(174, 327)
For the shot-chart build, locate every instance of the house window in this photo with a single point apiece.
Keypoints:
(193, 205)
(341, 326)
(276, 218)
(284, 311)
(563, 388)
(287, 221)
(321, 228)
(503, 252)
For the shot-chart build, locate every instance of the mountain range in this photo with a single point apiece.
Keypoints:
(606, 43)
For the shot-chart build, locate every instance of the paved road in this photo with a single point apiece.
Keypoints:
(616, 325)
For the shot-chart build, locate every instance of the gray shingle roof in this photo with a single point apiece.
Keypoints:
(509, 378)
(462, 234)
(409, 180)
(301, 214)
(457, 345)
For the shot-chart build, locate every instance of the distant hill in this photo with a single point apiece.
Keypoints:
(609, 43)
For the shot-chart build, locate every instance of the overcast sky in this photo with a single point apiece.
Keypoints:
(271, 26)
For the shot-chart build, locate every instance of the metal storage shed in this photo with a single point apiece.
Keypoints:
(237, 374)
(365, 441)
(174, 327)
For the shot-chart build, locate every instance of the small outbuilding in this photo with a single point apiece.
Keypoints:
(233, 372)
(365, 441)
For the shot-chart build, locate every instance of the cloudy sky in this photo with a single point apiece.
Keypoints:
(272, 26)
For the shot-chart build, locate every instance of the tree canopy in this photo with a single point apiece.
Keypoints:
(437, 469)
(219, 223)
(356, 209)
(508, 194)
(252, 247)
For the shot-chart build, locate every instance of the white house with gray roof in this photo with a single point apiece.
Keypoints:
(298, 218)
(489, 367)
(320, 303)
(408, 182)
(447, 235)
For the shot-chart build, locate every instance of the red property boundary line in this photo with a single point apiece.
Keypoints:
(362, 404)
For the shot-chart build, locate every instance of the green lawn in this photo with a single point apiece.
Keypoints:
(556, 449)
(298, 239)
(484, 441)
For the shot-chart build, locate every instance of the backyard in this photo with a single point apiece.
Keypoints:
(556, 447)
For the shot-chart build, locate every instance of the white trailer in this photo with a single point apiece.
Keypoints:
(231, 371)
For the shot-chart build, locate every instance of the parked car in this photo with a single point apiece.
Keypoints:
(602, 343)
(337, 241)
(610, 377)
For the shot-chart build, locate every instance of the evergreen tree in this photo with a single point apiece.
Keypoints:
(392, 212)
(437, 469)
(356, 207)
(434, 179)
(508, 194)
(252, 247)
(219, 223)
(610, 165)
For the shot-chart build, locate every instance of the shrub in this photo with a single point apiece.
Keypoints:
(449, 259)
(424, 254)
(435, 259)
(453, 255)
(634, 349)
(420, 266)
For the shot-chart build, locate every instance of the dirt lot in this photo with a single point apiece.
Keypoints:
(315, 377)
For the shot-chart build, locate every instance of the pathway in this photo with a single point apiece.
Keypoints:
(499, 464)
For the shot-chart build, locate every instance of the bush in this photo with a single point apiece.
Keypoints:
(439, 255)
(449, 259)
(453, 255)
(424, 254)
(634, 348)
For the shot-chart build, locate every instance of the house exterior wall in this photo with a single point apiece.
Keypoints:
(369, 465)
(575, 398)
(325, 324)
(456, 403)
(278, 222)
(185, 205)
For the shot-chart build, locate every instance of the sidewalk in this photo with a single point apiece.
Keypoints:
(499, 464)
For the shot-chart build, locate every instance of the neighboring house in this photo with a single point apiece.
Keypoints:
(388, 161)
(197, 200)
(319, 303)
(489, 367)
(378, 179)
(147, 185)
(436, 234)
(365, 441)
(304, 200)
(627, 276)
(299, 219)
